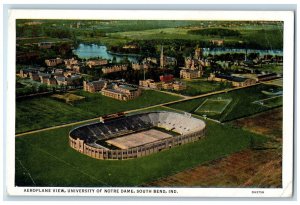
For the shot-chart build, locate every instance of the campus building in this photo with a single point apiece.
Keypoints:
(175, 85)
(92, 63)
(166, 78)
(121, 91)
(94, 86)
(190, 73)
(140, 66)
(70, 62)
(53, 62)
(113, 69)
(235, 81)
(166, 61)
(149, 83)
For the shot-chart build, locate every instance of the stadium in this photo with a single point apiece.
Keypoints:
(119, 137)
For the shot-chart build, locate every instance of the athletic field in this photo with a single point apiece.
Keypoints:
(213, 106)
(234, 104)
(138, 139)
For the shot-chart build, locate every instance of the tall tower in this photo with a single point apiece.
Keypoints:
(198, 53)
(162, 58)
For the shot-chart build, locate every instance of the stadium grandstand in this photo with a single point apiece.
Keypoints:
(133, 136)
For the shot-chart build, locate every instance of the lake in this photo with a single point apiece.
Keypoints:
(93, 50)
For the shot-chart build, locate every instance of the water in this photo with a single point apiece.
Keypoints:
(93, 50)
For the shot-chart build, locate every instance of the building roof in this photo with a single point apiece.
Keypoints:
(96, 82)
(231, 78)
(127, 87)
(267, 75)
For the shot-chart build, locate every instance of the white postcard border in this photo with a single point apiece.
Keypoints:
(288, 112)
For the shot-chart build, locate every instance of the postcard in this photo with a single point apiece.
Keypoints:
(150, 103)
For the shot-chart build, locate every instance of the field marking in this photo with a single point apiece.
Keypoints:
(194, 115)
(134, 110)
(228, 101)
(72, 166)
(26, 170)
(259, 102)
(231, 108)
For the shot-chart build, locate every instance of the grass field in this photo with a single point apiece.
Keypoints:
(213, 105)
(68, 97)
(45, 159)
(278, 82)
(201, 86)
(248, 168)
(242, 103)
(270, 102)
(44, 112)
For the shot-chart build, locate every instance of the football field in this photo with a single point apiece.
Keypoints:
(213, 105)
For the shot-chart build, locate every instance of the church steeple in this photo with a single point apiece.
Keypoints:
(162, 57)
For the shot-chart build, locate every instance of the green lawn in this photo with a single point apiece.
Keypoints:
(201, 86)
(241, 105)
(36, 113)
(45, 159)
(277, 68)
(271, 102)
(213, 106)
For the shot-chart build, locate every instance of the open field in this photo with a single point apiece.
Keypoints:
(248, 168)
(242, 103)
(68, 97)
(271, 68)
(213, 106)
(268, 37)
(45, 159)
(278, 82)
(270, 102)
(201, 86)
(267, 123)
(44, 112)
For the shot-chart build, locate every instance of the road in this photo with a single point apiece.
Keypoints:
(131, 111)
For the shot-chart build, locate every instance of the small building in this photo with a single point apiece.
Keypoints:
(168, 86)
(149, 83)
(94, 86)
(24, 73)
(69, 73)
(130, 46)
(53, 62)
(113, 69)
(166, 78)
(70, 62)
(34, 76)
(150, 60)
(268, 76)
(92, 63)
(44, 79)
(179, 86)
(45, 45)
(61, 81)
(140, 66)
(217, 42)
(190, 74)
(51, 81)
